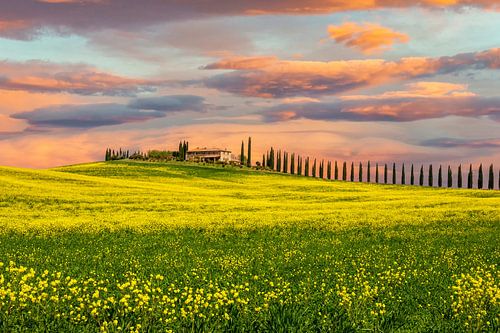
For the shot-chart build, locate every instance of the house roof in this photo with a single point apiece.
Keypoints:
(205, 149)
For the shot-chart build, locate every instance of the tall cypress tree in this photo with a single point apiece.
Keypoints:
(376, 172)
(336, 171)
(186, 150)
(344, 171)
(278, 163)
(469, 178)
(264, 160)
(480, 177)
(292, 163)
(329, 170)
(431, 177)
(385, 173)
(403, 175)
(306, 169)
(491, 180)
(322, 169)
(360, 173)
(181, 152)
(459, 176)
(299, 166)
(285, 162)
(242, 153)
(314, 169)
(440, 177)
(249, 154)
(368, 171)
(421, 177)
(352, 171)
(394, 173)
(412, 176)
(450, 177)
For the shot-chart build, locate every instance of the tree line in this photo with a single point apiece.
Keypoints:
(285, 162)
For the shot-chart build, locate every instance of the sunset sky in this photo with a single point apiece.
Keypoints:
(379, 80)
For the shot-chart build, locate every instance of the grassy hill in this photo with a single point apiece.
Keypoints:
(130, 246)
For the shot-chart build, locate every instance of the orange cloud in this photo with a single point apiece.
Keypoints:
(269, 77)
(47, 77)
(368, 37)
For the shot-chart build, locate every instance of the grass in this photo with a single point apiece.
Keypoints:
(130, 246)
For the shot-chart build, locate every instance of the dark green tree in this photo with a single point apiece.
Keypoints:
(249, 154)
(186, 149)
(360, 173)
(242, 153)
(421, 177)
(329, 170)
(403, 175)
(491, 178)
(394, 173)
(469, 178)
(480, 177)
(385, 173)
(352, 171)
(322, 169)
(430, 180)
(314, 168)
(376, 173)
(180, 156)
(344, 171)
(285, 162)
(299, 165)
(450, 177)
(336, 171)
(368, 171)
(412, 175)
(459, 176)
(440, 177)
(264, 159)
(292, 163)
(306, 167)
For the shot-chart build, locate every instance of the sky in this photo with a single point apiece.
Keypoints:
(382, 80)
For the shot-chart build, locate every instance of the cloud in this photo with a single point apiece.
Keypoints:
(368, 38)
(107, 114)
(93, 15)
(47, 77)
(270, 77)
(462, 143)
(423, 100)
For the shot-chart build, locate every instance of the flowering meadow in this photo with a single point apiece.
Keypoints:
(176, 247)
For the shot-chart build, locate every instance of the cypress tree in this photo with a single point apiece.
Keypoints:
(186, 150)
(106, 155)
(491, 181)
(352, 171)
(450, 177)
(285, 162)
(394, 173)
(421, 177)
(459, 176)
(181, 152)
(440, 177)
(264, 160)
(314, 169)
(360, 173)
(336, 171)
(368, 172)
(322, 169)
(412, 176)
(249, 154)
(480, 177)
(344, 171)
(292, 164)
(385, 173)
(469, 178)
(431, 177)
(242, 153)
(306, 169)
(329, 170)
(376, 172)
(278, 163)
(299, 166)
(403, 175)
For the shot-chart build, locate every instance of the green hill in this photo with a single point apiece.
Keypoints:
(131, 246)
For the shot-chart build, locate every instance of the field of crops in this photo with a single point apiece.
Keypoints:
(131, 246)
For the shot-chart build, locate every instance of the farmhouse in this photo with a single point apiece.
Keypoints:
(209, 155)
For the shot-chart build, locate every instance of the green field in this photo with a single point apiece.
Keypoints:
(130, 246)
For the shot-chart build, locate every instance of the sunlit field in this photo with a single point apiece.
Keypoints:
(130, 246)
